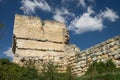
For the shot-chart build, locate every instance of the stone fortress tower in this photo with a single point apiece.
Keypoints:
(36, 42)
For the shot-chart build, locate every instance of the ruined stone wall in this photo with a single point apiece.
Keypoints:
(36, 42)
(104, 51)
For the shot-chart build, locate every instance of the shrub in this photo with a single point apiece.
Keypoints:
(50, 72)
(101, 67)
(11, 71)
(4, 61)
(102, 71)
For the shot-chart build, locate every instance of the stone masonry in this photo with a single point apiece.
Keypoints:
(36, 42)
(108, 50)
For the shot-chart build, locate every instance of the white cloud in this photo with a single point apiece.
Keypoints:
(110, 15)
(90, 11)
(29, 6)
(59, 18)
(86, 23)
(42, 4)
(82, 3)
(59, 15)
(9, 52)
(62, 11)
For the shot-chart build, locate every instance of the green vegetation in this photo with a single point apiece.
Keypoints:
(10, 71)
(49, 72)
(96, 71)
(99, 68)
(102, 71)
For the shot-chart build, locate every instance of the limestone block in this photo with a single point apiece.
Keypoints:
(109, 41)
(77, 49)
(118, 51)
(112, 43)
(89, 60)
(83, 62)
(77, 66)
(104, 52)
(105, 56)
(80, 74)
(55, 31)
(32, 44)
(94, 59)
(58, 59)
(36, 53)
(54, 24)
(83, 54)
(117, 62)
(104, 60)
(93, 55)
(116, 38)
(79, 69)
(72, 50)
(83, 58)
(28, 27)
(117, 56)
(117, 43)
(99, 57)
(100, 53)
(55, 35)
(83, 65)
(113, 53)
(108, 51)
(115, 47)
(16, 59)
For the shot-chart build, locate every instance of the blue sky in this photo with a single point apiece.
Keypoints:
(89, 21)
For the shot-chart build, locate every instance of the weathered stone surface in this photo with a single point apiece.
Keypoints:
(34, 28)
(32, 44)
(35, 53)
(34, 40)
(101, 52)
(41, 42)
(55, 31)
(71, 50)
(53, 34)
(28, 27)
(117, 56)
